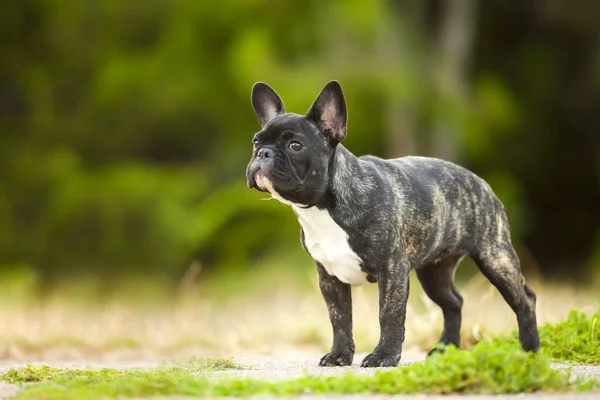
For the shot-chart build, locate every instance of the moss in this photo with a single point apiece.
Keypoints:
(577, 339)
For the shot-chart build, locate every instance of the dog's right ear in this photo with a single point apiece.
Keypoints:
(266, 102)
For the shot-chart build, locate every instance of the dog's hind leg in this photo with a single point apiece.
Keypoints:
(437, 280)
(500, 264)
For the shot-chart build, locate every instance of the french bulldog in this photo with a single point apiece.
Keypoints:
(372, 220)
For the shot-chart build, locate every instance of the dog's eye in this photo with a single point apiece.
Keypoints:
(295, 146)
(255, 141)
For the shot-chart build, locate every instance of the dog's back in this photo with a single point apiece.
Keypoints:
(443, 208)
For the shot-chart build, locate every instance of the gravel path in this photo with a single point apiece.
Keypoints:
(289, 366)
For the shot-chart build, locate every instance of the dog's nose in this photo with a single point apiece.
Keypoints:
(265, 152)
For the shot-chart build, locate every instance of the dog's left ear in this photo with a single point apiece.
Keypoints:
(329, 111)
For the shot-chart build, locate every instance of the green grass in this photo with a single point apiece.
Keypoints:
(574, 340)
(36, 374)
(490, 367)
(577, 339)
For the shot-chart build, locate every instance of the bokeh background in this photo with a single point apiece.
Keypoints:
(126, 126)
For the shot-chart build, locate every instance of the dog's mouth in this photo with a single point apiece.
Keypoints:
(262, 182)
(283, 184)
(253, 172)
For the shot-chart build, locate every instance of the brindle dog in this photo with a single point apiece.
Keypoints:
(367, 219)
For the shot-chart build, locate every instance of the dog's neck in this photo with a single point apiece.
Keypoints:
(344, 167)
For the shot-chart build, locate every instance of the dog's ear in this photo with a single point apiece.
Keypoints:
(329, 111)
(266, 102)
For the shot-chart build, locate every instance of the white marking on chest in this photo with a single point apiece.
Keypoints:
(327, 243)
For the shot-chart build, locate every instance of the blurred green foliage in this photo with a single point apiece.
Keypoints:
(125, 127)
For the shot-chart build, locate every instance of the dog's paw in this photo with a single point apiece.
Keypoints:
(376, 359)
(337, 359)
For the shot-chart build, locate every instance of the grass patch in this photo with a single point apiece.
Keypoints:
(492, 367)
(577, 339)
(36, 374)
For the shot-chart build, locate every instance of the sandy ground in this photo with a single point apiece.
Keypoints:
(293, 365)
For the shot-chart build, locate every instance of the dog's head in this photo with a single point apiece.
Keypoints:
(292, 153)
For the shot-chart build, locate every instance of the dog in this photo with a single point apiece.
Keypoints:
(372, 220)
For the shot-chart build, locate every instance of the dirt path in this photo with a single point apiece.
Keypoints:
(294, 365)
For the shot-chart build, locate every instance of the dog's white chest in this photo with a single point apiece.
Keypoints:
(327, 243)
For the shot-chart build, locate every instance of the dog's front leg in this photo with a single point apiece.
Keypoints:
(339, 303)
(393, 294)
